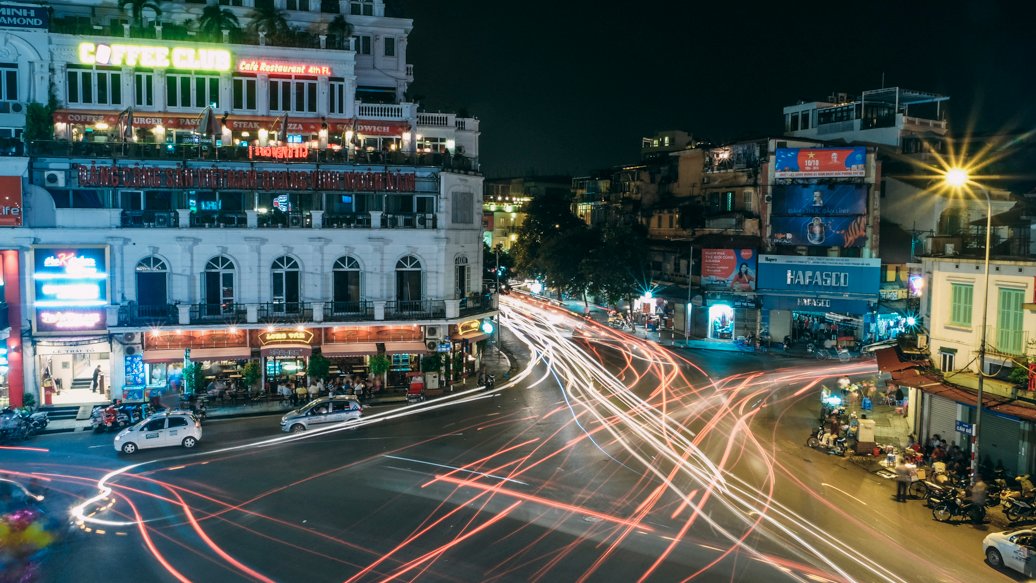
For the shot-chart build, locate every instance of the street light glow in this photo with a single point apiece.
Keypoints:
(956, 177)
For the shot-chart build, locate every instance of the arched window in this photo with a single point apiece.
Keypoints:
(286, 285)
(461, 271)
(152, 283)
(346, 288)
(219, 286)
(408, 279)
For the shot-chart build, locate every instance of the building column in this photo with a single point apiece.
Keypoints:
(188, 244)
(262, 97)
(10, 262)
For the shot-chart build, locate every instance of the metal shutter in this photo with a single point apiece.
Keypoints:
(942, 418)
(999, 441)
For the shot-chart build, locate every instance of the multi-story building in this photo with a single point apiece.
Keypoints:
(223, 196)
(505, 201)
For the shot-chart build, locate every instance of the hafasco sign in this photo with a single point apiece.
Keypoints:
(23, 16)
(10, 201)
(70, 288)
(842, 275)
(820, 162)
(286, 337)
(275, 68)
(214, 177)
(156, 57)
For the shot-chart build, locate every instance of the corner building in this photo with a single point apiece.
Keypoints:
(251, 197)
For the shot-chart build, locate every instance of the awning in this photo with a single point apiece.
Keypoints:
(310, 125)
(352, 349)
(414, 347)
(227, 353)
(890, 361)
(170, 355)
(936, 386)
(287, 350)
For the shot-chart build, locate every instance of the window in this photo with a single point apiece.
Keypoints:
(219, 286)
(192, 91)
(302, 5)
(461, 270)
(244, 93)
(960, 304)
(152, 286)
(947, 363)
(390, 46)
(285, 285)
(748, 200)
(805, 120)
(362, 7)
(363, 44)
(346, 284)
(337, 95)
(8, 82)
(408, 279)
(1009, 337)
(297, 94)
(231, 2)
(144, 89)
(89, 85)
(155, 425)
(463, 203)
(431, 144)
(728, 201)
(175, 422)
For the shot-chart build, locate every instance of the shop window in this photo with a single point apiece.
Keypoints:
(1010, 316)
(296, 94)
(8, 82)
(390, 46)
(219, 286)
(144, 89)
(152, 282)
(961, 295)
(192, 91)
(285, 285)
(361, 7)
(244, 93)
(431, 144)
(89, 85)
(345, 283)
(363, 44)
(947, 361)
(337, 96)
(461, 271)
(408, 279)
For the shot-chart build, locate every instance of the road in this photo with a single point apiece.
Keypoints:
(607, 458)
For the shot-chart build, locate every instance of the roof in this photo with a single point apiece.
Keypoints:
(890, 360)
(1014, 217)
(934, 385)
(902, 96)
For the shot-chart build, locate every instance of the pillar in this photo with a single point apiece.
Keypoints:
(9, 263)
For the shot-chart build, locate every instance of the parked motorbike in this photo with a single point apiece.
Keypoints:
(13, 427)
(37, 420)
(787, 342)
(958, 505)
(1016, 509)
(815, 441)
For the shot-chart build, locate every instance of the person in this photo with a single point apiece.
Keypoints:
(902, 480)
(979, 492)
(300, 394)
(96, 377)
(828, 440)
(313, 390)
(743, 280)
(361, 390)
(815, 231)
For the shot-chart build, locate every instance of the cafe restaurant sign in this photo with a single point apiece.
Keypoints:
(280, 68)
(286, 337)
(10, 201)
(218, 177)
(154, 57)
(70, 288)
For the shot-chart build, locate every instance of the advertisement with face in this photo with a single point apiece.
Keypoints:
(826, 200)
(820, 162)
(728, 269)
(818, 231)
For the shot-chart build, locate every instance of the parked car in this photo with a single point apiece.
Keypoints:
(1014, 549)
(321, 412)
(165, 429)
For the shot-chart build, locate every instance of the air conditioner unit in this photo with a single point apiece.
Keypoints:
(17, 108)
(949, 249)
(432, 345)
(54, 178)
(294, 220)
(768, 198)
(129, 337)
(431, 332)
(131, 350)
(161, 220)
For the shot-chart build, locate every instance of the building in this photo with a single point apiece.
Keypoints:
(225, 198)
(505, 201)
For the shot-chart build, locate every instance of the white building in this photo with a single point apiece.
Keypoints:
(241, 198)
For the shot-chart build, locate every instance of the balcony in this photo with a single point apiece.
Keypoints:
(219, 220)
(86, 26)
(476, 304)
(149, 219)
(359, 311)
(409, 221)
(1009, 343)
(135, 314)
(225, 313)
(347, 221)
(415, 309)
(284, 312)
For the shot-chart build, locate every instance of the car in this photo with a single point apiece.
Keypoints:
(165, 429)
(1014, 549)
(320, 412)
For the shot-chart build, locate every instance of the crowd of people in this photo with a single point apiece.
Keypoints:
(299, 393)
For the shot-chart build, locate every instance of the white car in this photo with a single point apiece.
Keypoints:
(320, 412)
(165, 429)
(1014, 549)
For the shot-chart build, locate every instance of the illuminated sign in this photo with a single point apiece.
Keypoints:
(70, 288)
(261, 66)
(820, 162)
(286, 337)
(155, 57)
(10, 201)
(468, 327)
(278, 152)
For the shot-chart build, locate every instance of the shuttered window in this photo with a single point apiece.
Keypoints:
(960, 304)
(1009, 335)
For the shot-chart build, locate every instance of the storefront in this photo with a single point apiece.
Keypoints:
(468, 342)
(80, 367)
(285, 355)
(731, 316)
(220, 353)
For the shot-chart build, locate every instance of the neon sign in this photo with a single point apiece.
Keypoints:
(155, 57)
(70, 288)
(295, 337)
(260, 66)
(278, 152)
(70, 320)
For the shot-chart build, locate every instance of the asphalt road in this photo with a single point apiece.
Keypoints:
(605, 460)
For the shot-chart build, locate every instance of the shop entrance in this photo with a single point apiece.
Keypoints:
(285, 369)
(721, 322)
(73, 369)
(826, 329)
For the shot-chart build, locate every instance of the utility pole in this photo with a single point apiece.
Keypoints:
(497, 272)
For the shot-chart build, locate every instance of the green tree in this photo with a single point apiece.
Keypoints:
(193, 378)
(214, 20)
(250, 374)
(489, 262)
(338, 32)
(617, 267)
(137, 8)
(270, 20)
(552, 243)
(319, 367)
(379, 365)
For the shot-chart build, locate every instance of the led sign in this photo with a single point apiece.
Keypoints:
(286, 337)
(70, 288)
(155, 57)
(261, 66)
(278, 152)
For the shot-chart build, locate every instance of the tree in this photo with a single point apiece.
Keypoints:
(214, 20)
(270, 20)
(319, 367)
(541, 249)
(489, 257)
(379, 364)
(617, 267)
(338, 32)
(137, 8)
(250, 374)
(193, 378)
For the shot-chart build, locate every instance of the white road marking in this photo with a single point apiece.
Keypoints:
(843, 492)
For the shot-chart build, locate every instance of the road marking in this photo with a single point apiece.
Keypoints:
(456, 469)
(96, 446)
(843, 492)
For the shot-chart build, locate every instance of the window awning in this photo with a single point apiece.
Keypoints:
(169, 355)
(304, 125)
(199, 354)
(413, 347)
(351, 349)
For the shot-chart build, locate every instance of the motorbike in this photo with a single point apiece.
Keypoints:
(815, 441)
(13, 427)
(1016, 509)
(957, 505)
(490, 382)
(37, 420)
(787, 343)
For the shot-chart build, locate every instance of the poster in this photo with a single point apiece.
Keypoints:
(819, 231)
(820, 199)
(728, 269)
(820, 162)
(809, 275)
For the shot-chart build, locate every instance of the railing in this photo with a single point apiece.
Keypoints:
(437, 120)
(1009, 342)
(231, 219)
(380, 110)
(409, 221)
(347, 221)
(150, 219)
(358, 311)
(836, 127)
(148, 315)
(229, 313)
(414, 309)
(460, 123)
(476, 304)
(410, 71)
(284, 312)
(285, 220)
(924, 123)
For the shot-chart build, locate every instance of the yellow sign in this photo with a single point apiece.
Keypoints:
(286, 337)
(154, 57)
(469, 326)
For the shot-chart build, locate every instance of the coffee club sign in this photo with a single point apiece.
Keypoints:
(70, 288)
(154, 57)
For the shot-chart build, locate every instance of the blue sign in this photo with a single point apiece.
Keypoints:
(70, 288)
(18, 16)
(965, 428)
(824, 200)
(819, 231)
(820, 162)
(809, 275)
(816, 304)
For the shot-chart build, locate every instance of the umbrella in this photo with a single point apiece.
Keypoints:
(280, 126)
(207, 123)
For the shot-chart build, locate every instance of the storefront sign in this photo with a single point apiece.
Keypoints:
(235, 123)
(844, 275)
(10, 201)
(828, 200)
(820, 162)
(24, 16)
(278, 152)
(468, 327)
(893, 294)
(965, 428)
(216, 177)
(154, 57)
(819, 231)
(286, 337)
(815, 304)
(732, 269)
(370, 127)
(276, 68)
(70, 288)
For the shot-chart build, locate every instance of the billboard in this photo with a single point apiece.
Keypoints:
(845, 275)
(819, 231)
(70, 288)
(728, 269)
(828, 200)
(10, 201)
(19, 16)
(820, 162)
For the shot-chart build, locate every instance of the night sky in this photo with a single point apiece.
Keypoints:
(571, 85)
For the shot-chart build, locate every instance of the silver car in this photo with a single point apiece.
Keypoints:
(321, 412)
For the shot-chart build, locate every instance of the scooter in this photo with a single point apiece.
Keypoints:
(1016, 509)
(815, 441)
(959, 506)
(12, 426)
(37, 420)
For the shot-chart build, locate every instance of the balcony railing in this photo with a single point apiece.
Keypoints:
(228, 313)
(150, 219)
(284, 312)
(381, 110)
(85, 26)
(476, 304)
(358, 311)
(1012, 343)
(348, 221)
(415, 309)
(220, 219)
(135, 314)
(409, 221)
(435, 120)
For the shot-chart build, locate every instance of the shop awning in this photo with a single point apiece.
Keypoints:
(352, 349)
(414, 347)
(934, 385)
(227, 353)
(286, 350)
(890, 361)
(310, 125)
(168, 355)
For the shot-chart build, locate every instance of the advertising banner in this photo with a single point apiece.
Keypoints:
(844, 275)
(10, 201)
(70, 288)
(819, 231)
(728, 269)
(21, 16)
(820, 199)
(820, 162)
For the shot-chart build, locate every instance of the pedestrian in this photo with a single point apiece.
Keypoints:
(96, 377)
(313, 390)
(301, 393)
(978, 492)
(902, 480)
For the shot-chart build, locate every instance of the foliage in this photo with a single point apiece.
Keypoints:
(319, 367)
(193, 378)
(617, 266)
(431, 362)
(1019, 375)
(270, 20)
(489, 258)
(379, 364)
(137, 8)
(29, 400)
(214, 20)
(338, 32)
(250, 374)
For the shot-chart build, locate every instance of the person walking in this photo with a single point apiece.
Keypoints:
(902, 480)
(97, 375)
